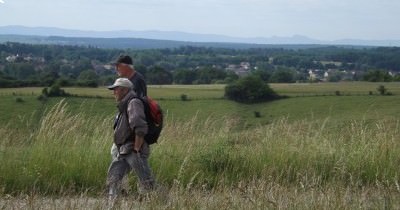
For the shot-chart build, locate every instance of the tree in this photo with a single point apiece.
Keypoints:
(88, 75)
(335, 76)
(265, 66)
(88, 78)
(208, 75)
(66, 70)
(7, 81)
(286, 60)
(250, 89)
(184, 76)
(283, 76)
(264, 75)
(82, 64)
(48, 78)
(159, 76)
(147, 59)
(141, 69)
(377, 76)
(21, 71)
(231, 77)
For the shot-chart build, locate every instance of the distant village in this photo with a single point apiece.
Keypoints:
(314, 75)
(242, 69)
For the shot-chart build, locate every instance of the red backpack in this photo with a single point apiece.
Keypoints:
(154, 118)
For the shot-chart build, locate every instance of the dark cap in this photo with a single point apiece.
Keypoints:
(126, 59)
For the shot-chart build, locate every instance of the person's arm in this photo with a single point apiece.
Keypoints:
(137, 122)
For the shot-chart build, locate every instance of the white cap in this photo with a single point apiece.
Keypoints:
(121, 82)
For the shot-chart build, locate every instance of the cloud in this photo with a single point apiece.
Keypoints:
(1, 2)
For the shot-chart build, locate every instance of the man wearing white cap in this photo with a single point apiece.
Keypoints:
(125, 69)
(129, 130)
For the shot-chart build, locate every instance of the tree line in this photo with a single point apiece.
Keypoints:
(44, 65)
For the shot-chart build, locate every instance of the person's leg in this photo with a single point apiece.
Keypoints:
(139, 163)
(117, 170)
(125, 181)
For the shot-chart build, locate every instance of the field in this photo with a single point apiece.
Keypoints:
(314, 150)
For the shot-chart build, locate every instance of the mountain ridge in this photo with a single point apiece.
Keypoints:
(187, 37)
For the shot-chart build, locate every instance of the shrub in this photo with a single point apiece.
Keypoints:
(382, 90)
(19, 100)
(42, 98)
(184, 97)
(250, 89)
(54, 91)
(45, 92)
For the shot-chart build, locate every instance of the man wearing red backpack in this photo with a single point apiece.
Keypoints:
(132, 150)
(125, 69)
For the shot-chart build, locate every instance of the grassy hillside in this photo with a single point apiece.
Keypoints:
(318, 151)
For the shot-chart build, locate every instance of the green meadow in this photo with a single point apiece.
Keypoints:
(306, 101)
(328, 145)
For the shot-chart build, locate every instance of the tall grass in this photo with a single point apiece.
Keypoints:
(272, 166)
(63, 154)
(303, 152)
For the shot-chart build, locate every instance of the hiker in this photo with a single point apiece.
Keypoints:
(129, 131)
(125, 69)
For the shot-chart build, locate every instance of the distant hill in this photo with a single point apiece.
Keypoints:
(162, 39)
(135, 43)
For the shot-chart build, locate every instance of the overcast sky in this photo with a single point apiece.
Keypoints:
(318, 19)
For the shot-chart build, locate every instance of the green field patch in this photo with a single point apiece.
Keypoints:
(345, 88)
(204, 102)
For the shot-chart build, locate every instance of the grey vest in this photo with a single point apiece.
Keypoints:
(122, 130)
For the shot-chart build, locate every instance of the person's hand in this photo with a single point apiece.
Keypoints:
(139, 140)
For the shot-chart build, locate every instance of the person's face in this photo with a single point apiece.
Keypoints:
(122, 70)
(119, 93)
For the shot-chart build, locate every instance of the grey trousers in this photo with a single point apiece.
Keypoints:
(126, 162)
(125, 182)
